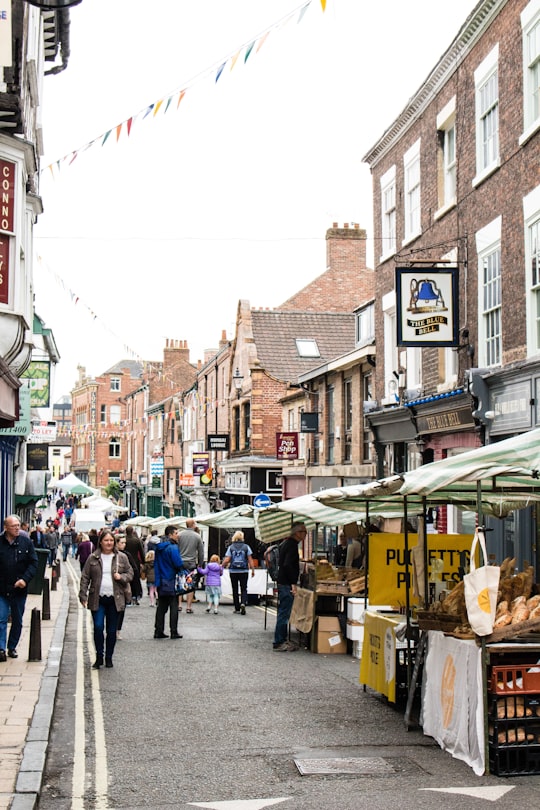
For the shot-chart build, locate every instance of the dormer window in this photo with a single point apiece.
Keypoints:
(307, 348)
(365, 325)
(115, 383)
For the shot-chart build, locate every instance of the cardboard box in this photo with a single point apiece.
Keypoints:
(330, 640)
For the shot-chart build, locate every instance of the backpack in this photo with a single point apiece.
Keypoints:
(239, 557)
(271, 560)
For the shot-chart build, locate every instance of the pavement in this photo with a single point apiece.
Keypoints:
(27, 697)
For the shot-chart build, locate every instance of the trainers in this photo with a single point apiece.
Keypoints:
(285, 647)
(215, 611)
(3, 655)
(13, 654)
(243, 610)
(208, 610)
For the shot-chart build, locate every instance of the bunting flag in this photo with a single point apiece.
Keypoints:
(152, 110)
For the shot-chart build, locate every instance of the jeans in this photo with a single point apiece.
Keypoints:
(285, 603)
(105, 615)
(65, 552)
(13, 604)
(239, 581)
(167, 603)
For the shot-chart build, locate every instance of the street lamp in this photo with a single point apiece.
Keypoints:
(237, 380)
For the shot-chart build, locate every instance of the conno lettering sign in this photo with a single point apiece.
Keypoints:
(7, 195)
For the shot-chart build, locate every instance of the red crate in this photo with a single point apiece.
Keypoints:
(516, 679)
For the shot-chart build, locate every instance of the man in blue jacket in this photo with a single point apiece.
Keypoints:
(18, 565)
(167, 563)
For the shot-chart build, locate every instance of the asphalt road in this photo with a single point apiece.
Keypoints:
(219, 719)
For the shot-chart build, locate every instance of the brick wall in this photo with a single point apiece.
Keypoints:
(347, 282)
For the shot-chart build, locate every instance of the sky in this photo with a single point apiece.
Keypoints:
(228, 193)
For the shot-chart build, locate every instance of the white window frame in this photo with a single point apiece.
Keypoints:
(488, 247)
(116, 383)
(531, 219)
(446, 127)
(365, 325)
(115, 444)
(485, 75)
(412, 180)
(388, 214)
(115, 414)
(530, 24)
(391, 362)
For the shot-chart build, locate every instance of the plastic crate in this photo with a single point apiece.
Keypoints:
(514, 760)
(519, 731)
(516, 679)
(510, 707)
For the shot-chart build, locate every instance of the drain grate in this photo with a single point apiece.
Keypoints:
(369, 766)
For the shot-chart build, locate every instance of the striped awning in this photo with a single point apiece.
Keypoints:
(274, 522)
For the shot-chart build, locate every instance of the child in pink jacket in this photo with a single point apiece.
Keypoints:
(213, 573)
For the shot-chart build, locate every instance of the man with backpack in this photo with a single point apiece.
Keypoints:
(287, 577)
(239, 559)
(191, 549)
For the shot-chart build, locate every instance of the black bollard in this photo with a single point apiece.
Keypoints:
(34, 650)
(58, 569)
(54, 580)
(46, 601)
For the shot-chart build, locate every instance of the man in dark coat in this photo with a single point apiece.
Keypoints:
(18, 565)
(288, 573)
(167, 562)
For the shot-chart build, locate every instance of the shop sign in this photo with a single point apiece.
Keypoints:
(309, 423)
(37, 457)
(444, 421)
(388, 563)
(22, 426)
(4, 269)
(7, 195)
(427, 302)
(186, 480)
(218, 442)
(157, 465)
(274, 480)
(511, 404)
(6, 55)
(287, 446)
(38, 375)
(237, 481)
(201, 462)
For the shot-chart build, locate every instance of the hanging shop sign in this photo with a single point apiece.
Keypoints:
(309, 423)
(287, 446)
(43, 432)
(427, 306)
(201, 463)
(37, 457)
(38, 375)
(22, 425)
(218, 442)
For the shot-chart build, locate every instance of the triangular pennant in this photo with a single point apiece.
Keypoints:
(248, 51)
(148, 110)
(180, 97)
(220, 71)
(73, 158)
(105, 137)
(128, 124)
(323, 4)
(233, 60)
(304, 9)
(158, 105)
(167, 105)
(118, 131)
(262, 41)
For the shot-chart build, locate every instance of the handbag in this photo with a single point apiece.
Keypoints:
(481, 586)
(184, 581)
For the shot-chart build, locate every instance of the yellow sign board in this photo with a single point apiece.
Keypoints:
(378, 664)
(387, 574)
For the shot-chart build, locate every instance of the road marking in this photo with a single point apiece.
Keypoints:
(241, 804)
(101, 775)
(490, 794)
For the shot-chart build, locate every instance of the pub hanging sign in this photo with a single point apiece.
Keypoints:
(427, 306)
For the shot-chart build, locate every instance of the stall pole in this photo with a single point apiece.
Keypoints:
(407, 592)
(484, 657)
(426, 553)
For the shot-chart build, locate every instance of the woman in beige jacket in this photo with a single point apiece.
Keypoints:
(104, 585)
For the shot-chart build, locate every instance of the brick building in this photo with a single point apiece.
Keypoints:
(456, 184)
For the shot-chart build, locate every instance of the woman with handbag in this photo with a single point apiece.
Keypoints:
(104, 580)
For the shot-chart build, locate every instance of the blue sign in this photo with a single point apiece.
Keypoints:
(262, 500)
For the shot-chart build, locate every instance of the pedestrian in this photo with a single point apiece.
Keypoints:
(151, 541)
(37, 536)
(150, 576)
(167, 563)
(93, 537)
(135, 582)
(24, 531)
(103, 588)
(213, 573)
(52, 540)
(18, 565)
(74, 539)
(84, 549)
(134, 546)
(191, 549)
(287, 577)
(65, 539)
(355, 553)
(341, 550)
(239, 560)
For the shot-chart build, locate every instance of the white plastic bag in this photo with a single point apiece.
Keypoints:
(481, 587)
